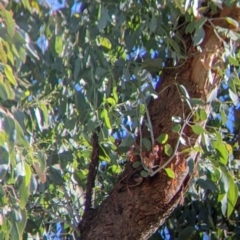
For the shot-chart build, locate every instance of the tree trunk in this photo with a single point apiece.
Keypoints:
(136, 212)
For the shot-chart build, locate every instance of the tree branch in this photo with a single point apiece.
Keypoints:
(93, 167)
(92, 172)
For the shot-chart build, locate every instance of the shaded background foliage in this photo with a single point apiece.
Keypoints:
(88, 65)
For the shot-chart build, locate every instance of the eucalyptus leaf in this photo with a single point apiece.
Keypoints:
(9, 75)
(144, 174)
(147, 143)
(198, 36)
(207, 184)
(58, 45)
(105, 117)
(233, 22)
(197, 129)
(23, 194)
(170, 172)
(162, 138)
(234, 97)
(55, 174)
(168, 150)
(137, 164)
(4, 162)
(232, 196)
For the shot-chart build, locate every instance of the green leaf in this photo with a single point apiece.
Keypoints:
(4, 161)
(170, 172)
(142, 109)
(127, 141)
(232, 22)
(81, 104)
(146, 143)
(10, 128)
(196, 102)
(213, 94)
(197, 129)
(202, 114)
(224, 183)
(6, 91)
(168, 150)
(41, 161)
(56, 176)
(26, 4)
(92, 125)
(190, 27)
(40, 166)
(115, 95)
(77, 67)
(111, 101)
(21, 224)
(137, 164)
(14, 232)
(233, 61)
(126, 73)
(103, 155)
(44, 111)
(223, 203)
(3, 91)
(207, 184)
(104, 42)
(21, 141)
(176, 128)
(2, 192)
(20, 168)
(33, 185)
(9, 75)
(223, 117)
(115, 169)
(9, 53)
(222, 150)
(104, 115)
(153, 23)
(58, 46)
(144, 173)
(100, 72)
(232, 196)
(234, 97)
(229, 3)
(103, 18)
(10, 24)
(28, 174)
(200, 23)
(81, 176)
(162, 139)
(198, 36)
(14, 50)
(23, 194)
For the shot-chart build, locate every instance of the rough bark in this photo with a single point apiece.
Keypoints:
(137, 212)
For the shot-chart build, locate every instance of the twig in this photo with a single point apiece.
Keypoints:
(149, 124)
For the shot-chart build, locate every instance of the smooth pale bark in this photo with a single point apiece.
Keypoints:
(137, 212)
